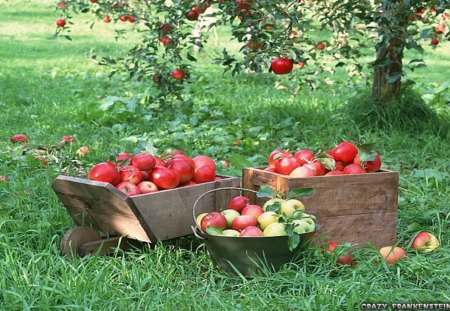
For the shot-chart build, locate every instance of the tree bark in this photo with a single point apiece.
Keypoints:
(387, 73)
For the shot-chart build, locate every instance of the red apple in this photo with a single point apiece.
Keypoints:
(131, 174)
(123, 18)
(131, 19)
(320, 46)
(128, 188)
(178, 74)
(189, 183)
(201, 159)
(160, 162)
(204, 173)
(165, 28)
(225, 163)
(122, 157)
(19, 138)
(317, 167)
(286, 165)
(345, 152)
(243, 221)
(146, 175)
(270, 169)
(165, 178)
(354, 169)
(192, 15)
(144, 161)
(370, 166)
(425, 242)
(303, 156)
(183, 167)
(107, 19)
(60, 22)
(342, 260)
(238, 203)
(281, 65)
(334, 173)
(166, 41)
(434, 42)
(147, 187)
(251, 231)
(276, 155)
(392, 254)
(106, 172)
(214, 219)
(253, 210)
(67, 139)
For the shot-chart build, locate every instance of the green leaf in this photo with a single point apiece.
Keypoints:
(211, 230)
(300, 192)
(293, 241)
(265, 191)
(275, 207)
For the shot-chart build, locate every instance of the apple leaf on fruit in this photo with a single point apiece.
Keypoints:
(265, 192)
(293, 238)
(300, 192)
(275, 207)
(211, 230)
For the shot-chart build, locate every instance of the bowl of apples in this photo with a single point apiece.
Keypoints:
(248, 238)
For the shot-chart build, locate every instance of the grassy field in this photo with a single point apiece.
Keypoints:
(49, 88)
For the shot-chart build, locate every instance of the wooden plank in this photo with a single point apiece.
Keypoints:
(169, 213)
(102, 206)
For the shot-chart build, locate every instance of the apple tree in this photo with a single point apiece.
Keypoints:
(308, 39)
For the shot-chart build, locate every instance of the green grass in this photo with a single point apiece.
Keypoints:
(49, 88)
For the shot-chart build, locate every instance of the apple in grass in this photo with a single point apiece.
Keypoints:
(214, 219)
(131, 174)
(275, 229)
(251, 231)
(82, 151)
(67, 139)
(19, 138)
(230, 215)
(128, 188)
(243, 221)
(392, 254)
(341, 260)
(165, 178)
(147, 187)
(267, 218)
(425, 242)
(238, 203)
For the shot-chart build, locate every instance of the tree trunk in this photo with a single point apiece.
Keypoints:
(387, 80)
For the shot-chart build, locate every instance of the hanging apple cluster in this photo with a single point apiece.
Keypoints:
(345, 158)
(279, 36)
(145, 173)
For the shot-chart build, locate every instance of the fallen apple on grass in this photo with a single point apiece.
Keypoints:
(425, 242)
(341, 260)
(392, 254)
(19, 138)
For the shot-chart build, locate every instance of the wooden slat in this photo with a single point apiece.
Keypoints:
(102, 206)
(169, 213)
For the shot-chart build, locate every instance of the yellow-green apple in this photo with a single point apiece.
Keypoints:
(275, 229)
(392, 254)
(304, 215)
(253, 210)
(290, 206)
(273, 201)
(304, 225)
(230, 215)
(230, 232)
(238, 203)
(128, 188)
(243, 221)
(214, 219)
(200, 217)
(251, 231)
(267, 218)
(147, 187)
(425, 242)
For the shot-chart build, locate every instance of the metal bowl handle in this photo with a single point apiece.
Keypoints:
(196, 229)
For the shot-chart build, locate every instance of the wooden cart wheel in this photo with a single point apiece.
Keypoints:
(74, 238)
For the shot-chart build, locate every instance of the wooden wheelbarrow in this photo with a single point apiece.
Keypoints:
(107, 218)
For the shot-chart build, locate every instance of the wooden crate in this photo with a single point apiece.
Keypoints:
(350, 208)
(150, 217)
